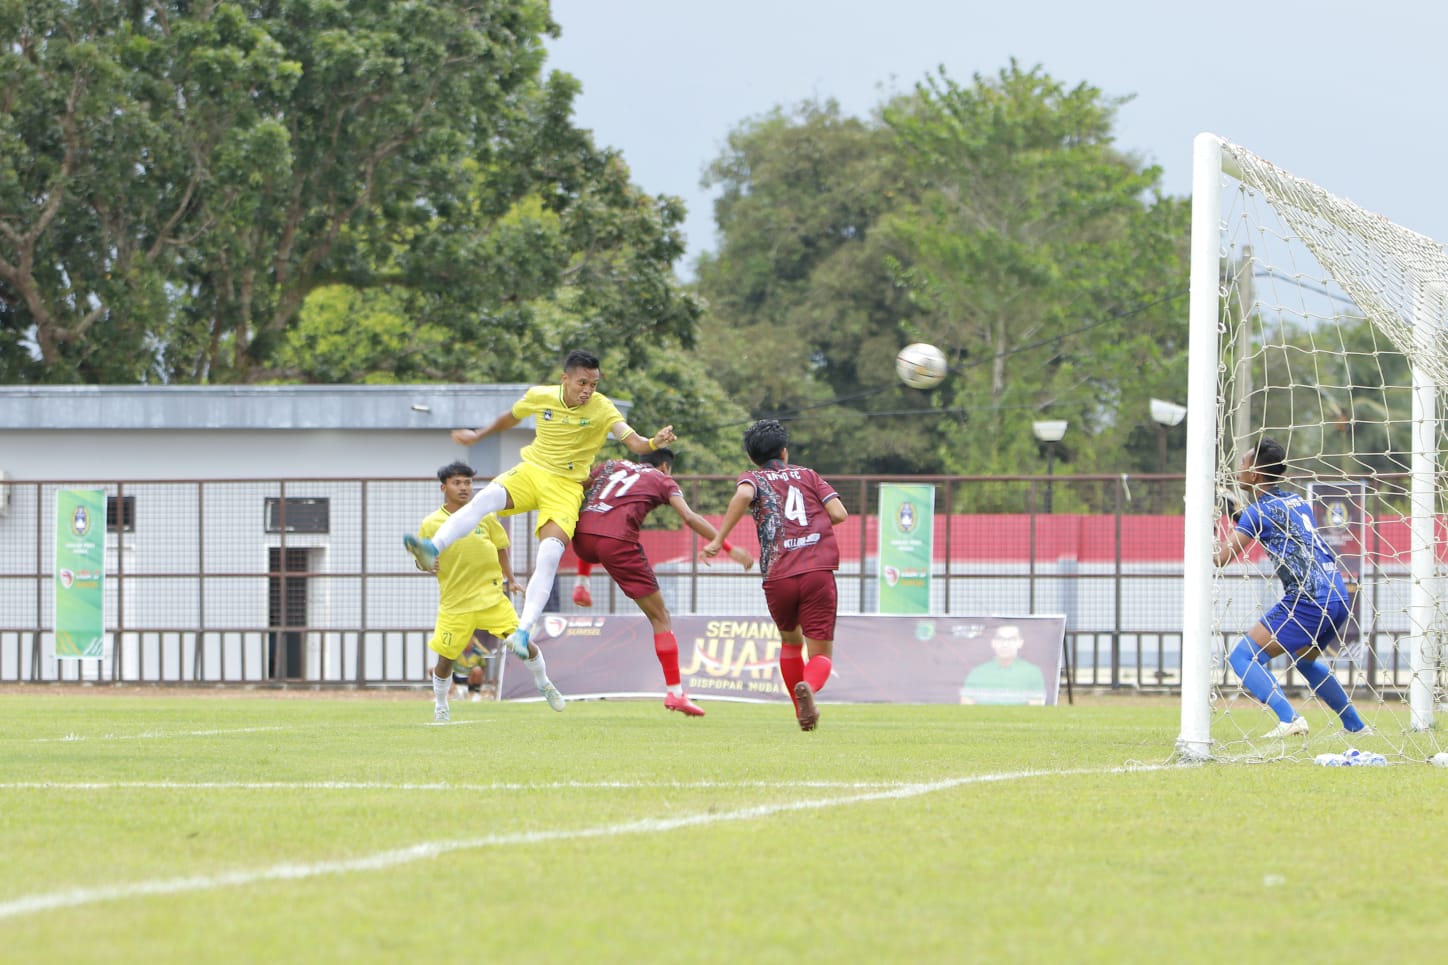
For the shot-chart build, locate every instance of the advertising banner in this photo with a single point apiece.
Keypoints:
(906, 546)
(80, 569)
(877, 659)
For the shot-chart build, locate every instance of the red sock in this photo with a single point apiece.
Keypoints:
(585, 568)
(666, 648)
(817, 671)
(791, 669)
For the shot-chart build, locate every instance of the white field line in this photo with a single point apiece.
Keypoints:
(432, 785)
(152, 735)
(162, 735)
(77, 897)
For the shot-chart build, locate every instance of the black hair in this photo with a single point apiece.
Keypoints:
(658, 457)
(1270, 459)
(455, 469)
(579, 359)
(765, 440)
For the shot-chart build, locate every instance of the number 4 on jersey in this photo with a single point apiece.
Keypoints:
(794, 507)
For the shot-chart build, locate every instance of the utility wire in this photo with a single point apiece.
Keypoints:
(794, 415)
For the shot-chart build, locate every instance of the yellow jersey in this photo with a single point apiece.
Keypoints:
(469, 576)
(566, 439)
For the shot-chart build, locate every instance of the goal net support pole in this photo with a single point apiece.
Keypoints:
(1396, 280)
(1203, 310)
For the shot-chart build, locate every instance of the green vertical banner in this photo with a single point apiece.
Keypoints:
(907, 546)
(80, 570)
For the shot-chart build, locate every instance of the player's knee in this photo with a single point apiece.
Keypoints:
(1242, 655)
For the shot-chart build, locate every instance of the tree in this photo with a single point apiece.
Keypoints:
(1050, 265)
(803, 315)
(188, 175)
(996, 220)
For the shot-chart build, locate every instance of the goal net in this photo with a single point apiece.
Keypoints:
(1324, 327)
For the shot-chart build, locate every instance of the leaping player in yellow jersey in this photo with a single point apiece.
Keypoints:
(474, 579)
(573, 421)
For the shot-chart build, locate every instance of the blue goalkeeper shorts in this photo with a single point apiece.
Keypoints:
(1299, 623)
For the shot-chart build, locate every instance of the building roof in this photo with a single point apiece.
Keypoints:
(254, 406)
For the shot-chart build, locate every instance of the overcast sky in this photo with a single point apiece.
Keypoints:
(1348, 94)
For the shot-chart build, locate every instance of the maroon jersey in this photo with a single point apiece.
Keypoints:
(620, 494)
(795, 533)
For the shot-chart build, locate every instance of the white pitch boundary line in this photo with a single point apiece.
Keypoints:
(432, 785)
(78, 897)
(152, 735)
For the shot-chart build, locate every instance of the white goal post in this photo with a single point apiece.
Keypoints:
(1324, 326)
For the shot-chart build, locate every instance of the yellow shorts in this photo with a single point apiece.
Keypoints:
(556, 498)
(454, 631)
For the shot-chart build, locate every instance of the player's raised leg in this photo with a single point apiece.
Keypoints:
(491, 498)
(540, 585)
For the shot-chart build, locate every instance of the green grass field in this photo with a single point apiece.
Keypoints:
(183, 827)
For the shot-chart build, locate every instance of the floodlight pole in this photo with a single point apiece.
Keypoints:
(1050, 432)
(1166, 415)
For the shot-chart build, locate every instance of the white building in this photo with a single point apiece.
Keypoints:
(249, 432)
(214, 492)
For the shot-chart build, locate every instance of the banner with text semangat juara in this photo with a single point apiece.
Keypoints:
(877, 659)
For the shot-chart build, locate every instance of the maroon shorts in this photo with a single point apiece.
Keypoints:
(624, 560)
(807, 601)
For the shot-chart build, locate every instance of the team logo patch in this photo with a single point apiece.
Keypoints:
(547, 415)
(906, 518)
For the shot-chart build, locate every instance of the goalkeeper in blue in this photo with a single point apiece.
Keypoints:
(1314, 605)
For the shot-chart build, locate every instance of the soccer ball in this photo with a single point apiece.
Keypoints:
(920, 366)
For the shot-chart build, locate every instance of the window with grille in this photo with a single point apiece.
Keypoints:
(302, 515)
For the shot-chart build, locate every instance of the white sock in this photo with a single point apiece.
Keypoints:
(440, 687)
(538, 669)
(676, 689)
(491, 499)
(540, 584)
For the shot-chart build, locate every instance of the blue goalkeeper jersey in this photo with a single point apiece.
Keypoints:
(1283, 523)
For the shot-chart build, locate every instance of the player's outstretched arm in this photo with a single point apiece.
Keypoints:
(706, 529)
(738, 506)
(466, 437)
(642, 444)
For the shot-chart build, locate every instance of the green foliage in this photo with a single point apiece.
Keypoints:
(801, 307)
(675, 387)
(996, 220)
(1047, 262)
(1342, 395)
(182, 178)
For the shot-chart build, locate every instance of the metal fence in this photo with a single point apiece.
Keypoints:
(305, 581)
